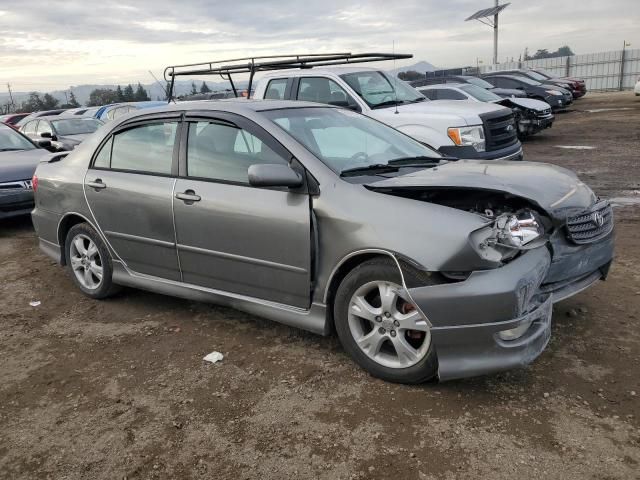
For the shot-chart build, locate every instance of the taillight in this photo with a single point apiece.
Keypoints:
(34, 183)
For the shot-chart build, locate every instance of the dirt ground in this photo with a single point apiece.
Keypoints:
(118, 389)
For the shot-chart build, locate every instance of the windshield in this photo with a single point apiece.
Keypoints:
(380, 90)
(343, 139)
(480, 93)
(75, 126)
(479, 82)
(536, 76)
(526, 80)
(12, 140)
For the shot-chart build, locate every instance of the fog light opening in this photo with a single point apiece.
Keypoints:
(514, 333)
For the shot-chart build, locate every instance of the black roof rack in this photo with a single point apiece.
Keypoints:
(251, 65)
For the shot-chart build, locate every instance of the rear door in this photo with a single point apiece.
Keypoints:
(232, 236)
(129, 189)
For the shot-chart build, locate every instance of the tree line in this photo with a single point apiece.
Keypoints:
(106, 96)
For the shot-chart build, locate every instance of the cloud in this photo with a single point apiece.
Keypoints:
(125, 38)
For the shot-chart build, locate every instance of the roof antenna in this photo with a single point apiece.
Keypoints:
(395, 78)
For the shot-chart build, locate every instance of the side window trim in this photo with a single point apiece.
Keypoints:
(243, 123)
(128, 126)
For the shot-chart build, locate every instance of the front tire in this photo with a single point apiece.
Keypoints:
(383, 333)
(89, 262)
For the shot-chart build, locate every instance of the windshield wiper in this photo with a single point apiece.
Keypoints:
(418, 161)
(422, 99)
(376, 167)
(388, 103)
(10, 149)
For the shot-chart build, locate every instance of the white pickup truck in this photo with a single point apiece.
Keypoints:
(461, 129)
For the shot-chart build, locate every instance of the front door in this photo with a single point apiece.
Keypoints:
(234, 237)
(129, 189)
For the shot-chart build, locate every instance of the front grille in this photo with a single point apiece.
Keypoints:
(499, 130)
(17, 185)
(544, 113)
(591, 225)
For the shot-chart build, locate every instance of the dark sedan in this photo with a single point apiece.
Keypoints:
(557, 97)
(65, 133)
(19, 158)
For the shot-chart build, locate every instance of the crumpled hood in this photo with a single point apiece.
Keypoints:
(554, 189)
(532, 103)
(19, 165)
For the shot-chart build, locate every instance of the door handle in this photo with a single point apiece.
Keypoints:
(188, 197)
(97, 184)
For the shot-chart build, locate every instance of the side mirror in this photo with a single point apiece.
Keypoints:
(46, 135)
(44, 144)
(274, 175)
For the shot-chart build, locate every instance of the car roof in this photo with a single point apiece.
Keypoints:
(65, 117)
(323, 70)
(233, 105)
(442, 85)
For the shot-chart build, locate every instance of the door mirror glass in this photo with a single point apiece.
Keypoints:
(274, 175)
(44, 143)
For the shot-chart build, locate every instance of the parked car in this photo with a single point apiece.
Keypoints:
(531, 115)
(19, 157)
(459, 129)
(64, 132)
(111, 112)
(636, 89)
(12, 119)
(44, 113)
(501, 92)
(557, 97)
(321, 218)
(579, 83)
(533, 75)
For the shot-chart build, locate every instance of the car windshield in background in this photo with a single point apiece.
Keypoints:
(480, 93)
(11, 140)
(536, 76)
(479, 82)
(527, 80)
(345, 140)
(380, 90)
(75, 126)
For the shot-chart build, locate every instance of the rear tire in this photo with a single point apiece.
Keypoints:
(383, 333)
(89, 262)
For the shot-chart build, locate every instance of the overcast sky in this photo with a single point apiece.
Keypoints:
(46, 45)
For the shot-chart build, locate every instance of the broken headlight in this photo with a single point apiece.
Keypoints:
(509, 234)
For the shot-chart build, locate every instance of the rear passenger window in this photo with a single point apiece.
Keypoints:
(103, 159)
(225, 152)
(147, 149)
(448, 94)
(276, 89)
(323, 90)
(430, 94)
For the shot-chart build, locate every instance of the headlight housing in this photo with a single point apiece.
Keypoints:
(468, 136)
(554, 92)
(509, 234)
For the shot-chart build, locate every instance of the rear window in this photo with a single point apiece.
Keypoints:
(144, 149)
(276, 89)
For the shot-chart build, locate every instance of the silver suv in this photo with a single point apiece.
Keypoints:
(322, 218)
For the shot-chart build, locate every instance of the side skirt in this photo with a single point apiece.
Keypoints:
(313, 320)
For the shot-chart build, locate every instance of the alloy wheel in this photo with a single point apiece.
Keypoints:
(86, 262)
(387, 328)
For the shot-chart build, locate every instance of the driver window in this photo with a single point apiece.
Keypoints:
(220, 151)
(323, 90)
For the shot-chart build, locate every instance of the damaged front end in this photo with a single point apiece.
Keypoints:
(496, 314)
(532, 116)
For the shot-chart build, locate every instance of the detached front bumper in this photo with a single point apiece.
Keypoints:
(14, 202)
(467, 316)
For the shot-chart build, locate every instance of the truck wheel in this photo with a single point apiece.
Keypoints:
(383, 333)
(89, 262)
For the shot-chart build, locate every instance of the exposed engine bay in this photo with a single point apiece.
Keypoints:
(514, 224)
(531, 115)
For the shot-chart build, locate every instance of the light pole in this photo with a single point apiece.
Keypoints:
(484, 16)
(625, 44)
